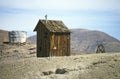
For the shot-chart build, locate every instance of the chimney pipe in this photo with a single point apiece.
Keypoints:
(46, 18)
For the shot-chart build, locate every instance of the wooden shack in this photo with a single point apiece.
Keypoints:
(53, 38)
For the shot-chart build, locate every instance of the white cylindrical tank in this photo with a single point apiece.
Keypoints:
(18, 36)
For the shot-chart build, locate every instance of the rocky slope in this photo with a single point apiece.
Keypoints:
(88, 40)
(15, 51)
(4, 37)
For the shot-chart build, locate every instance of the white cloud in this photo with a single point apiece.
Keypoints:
(63, 4)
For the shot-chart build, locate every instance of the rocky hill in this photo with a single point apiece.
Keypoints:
(32, 38)
(86, 41)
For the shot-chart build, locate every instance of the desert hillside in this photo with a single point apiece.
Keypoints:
(4, 36)
(86, 41)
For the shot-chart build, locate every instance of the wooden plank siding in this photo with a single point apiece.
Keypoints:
(53, 39)
(43, 42)
(62, 44)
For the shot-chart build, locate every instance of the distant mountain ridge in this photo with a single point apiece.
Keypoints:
(83, 40)
(87, 41)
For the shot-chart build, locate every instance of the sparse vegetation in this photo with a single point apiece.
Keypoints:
(87, 66)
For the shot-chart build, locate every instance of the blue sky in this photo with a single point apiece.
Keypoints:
(103, 15)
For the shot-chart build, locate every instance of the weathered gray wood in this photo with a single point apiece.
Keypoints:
(52, 43)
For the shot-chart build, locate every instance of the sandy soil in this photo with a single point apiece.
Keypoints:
(90, 66)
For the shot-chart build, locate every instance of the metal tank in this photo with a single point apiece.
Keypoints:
(17, 36)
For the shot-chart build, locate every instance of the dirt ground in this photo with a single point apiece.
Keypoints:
(19, 63)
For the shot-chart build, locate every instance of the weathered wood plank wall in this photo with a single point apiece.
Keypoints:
(60, 45)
